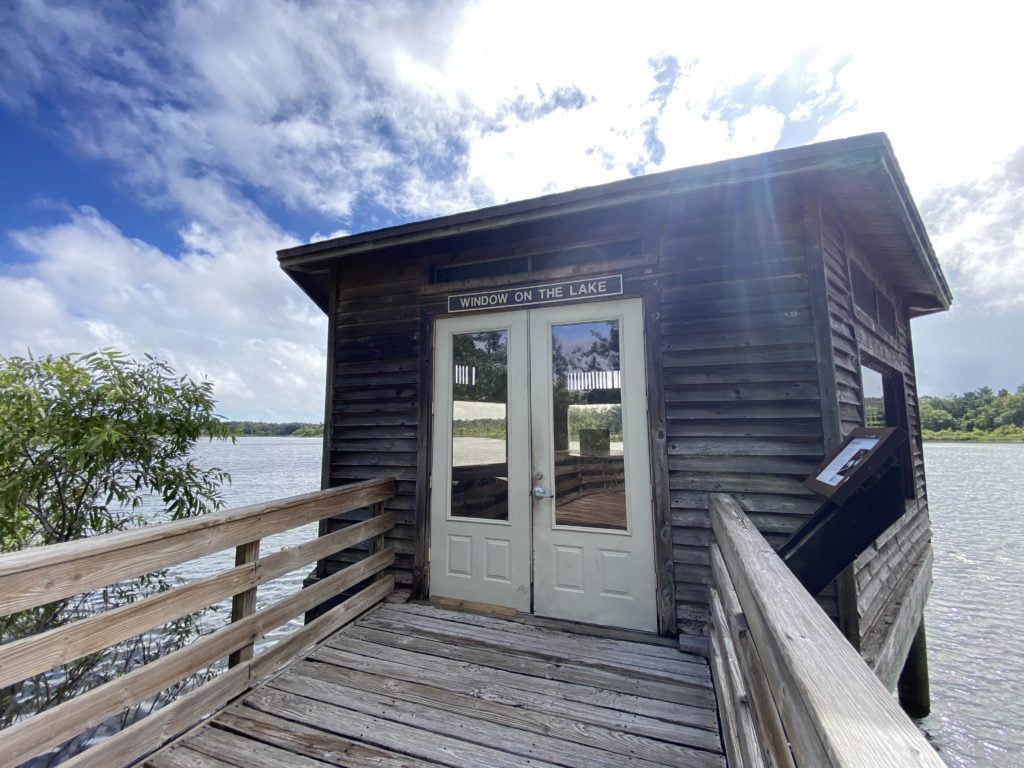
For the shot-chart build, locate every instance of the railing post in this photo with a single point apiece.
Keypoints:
(377, 542)
(244, 603)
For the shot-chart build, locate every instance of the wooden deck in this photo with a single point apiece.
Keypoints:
(596, 510)
(415, 685)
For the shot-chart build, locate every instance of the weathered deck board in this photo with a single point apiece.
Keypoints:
(629, 680)
(595, 510)
(312, 742)
(484, 687)
(531, 677)
(525, 675)
(640, 643)
(418, 685)
(561, 646)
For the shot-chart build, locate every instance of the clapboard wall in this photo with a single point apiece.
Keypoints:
(740, 379)
(373, 419)
(727, 283)
(865, 336)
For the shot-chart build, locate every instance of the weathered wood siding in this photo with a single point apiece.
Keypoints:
(741, 385)
(737, 361)
(858, 338)
(374, 424)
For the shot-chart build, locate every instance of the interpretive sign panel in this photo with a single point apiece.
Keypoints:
(846, 460)
(530, 295)
(856, 459)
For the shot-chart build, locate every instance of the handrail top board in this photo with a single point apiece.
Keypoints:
(834, 707)
(35, 558)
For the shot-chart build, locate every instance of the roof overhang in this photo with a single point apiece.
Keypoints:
(860, 174)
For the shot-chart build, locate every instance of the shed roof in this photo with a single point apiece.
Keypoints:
(860, 174)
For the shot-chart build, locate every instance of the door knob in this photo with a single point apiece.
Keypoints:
(540, 493)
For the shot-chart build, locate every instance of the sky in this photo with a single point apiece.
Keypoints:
(155, 156)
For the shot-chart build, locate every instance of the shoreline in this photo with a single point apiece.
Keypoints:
(979, 440)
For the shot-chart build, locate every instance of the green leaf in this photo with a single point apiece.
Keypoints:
(85, 437)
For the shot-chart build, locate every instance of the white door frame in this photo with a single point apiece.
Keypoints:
(522, 563)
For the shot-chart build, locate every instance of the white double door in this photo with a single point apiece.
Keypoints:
(540, 474)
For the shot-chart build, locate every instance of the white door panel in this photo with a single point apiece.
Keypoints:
(540, 495)
(593, 544)
(480, 507)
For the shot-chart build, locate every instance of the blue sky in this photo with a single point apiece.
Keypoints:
(156, 155)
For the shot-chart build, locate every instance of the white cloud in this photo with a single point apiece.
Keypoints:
(220, 116)
(322, 104)
(220, 309)
(939, 83)
(978, 226)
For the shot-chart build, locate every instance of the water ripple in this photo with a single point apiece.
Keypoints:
(975, 651)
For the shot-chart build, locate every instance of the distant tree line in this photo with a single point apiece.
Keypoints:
(983, 415)
(274, 429)
(492, 428)
(580, 417)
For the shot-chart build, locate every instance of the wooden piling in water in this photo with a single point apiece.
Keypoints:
(913, 687)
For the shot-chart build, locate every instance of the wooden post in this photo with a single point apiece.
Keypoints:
(658, 435)
(377, 542)
(244, 603)
(914, 692)
(324, 526)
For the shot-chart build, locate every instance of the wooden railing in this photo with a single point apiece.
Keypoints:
(792, 691)
(43, 575)
(580, 475)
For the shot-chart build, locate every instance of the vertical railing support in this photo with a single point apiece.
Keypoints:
(377, 542)
(244, 603)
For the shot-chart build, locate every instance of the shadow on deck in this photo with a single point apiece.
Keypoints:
(417, 684)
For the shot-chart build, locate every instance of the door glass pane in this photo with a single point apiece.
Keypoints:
(589, 483)
(479, 433)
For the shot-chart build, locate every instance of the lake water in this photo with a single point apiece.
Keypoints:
(262, 469)
(975, 647)
(976, 652)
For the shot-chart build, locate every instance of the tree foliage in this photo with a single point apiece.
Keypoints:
(490, 428)
(274, 429)
(308, 430)
(607, 417)
(485, 353)
(982, 414)
(86, 442)
(85, 439)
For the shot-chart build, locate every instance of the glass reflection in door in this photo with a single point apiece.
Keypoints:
(479, 425)
(586, 396)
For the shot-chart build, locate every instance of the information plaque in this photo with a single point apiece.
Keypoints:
(856, 459)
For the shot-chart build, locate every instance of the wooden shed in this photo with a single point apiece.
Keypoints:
(558, 384)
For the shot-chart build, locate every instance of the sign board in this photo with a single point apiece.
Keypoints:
(530, 295)
(856, 459)
(848, 458)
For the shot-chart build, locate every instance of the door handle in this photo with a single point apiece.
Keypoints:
(540, 493)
